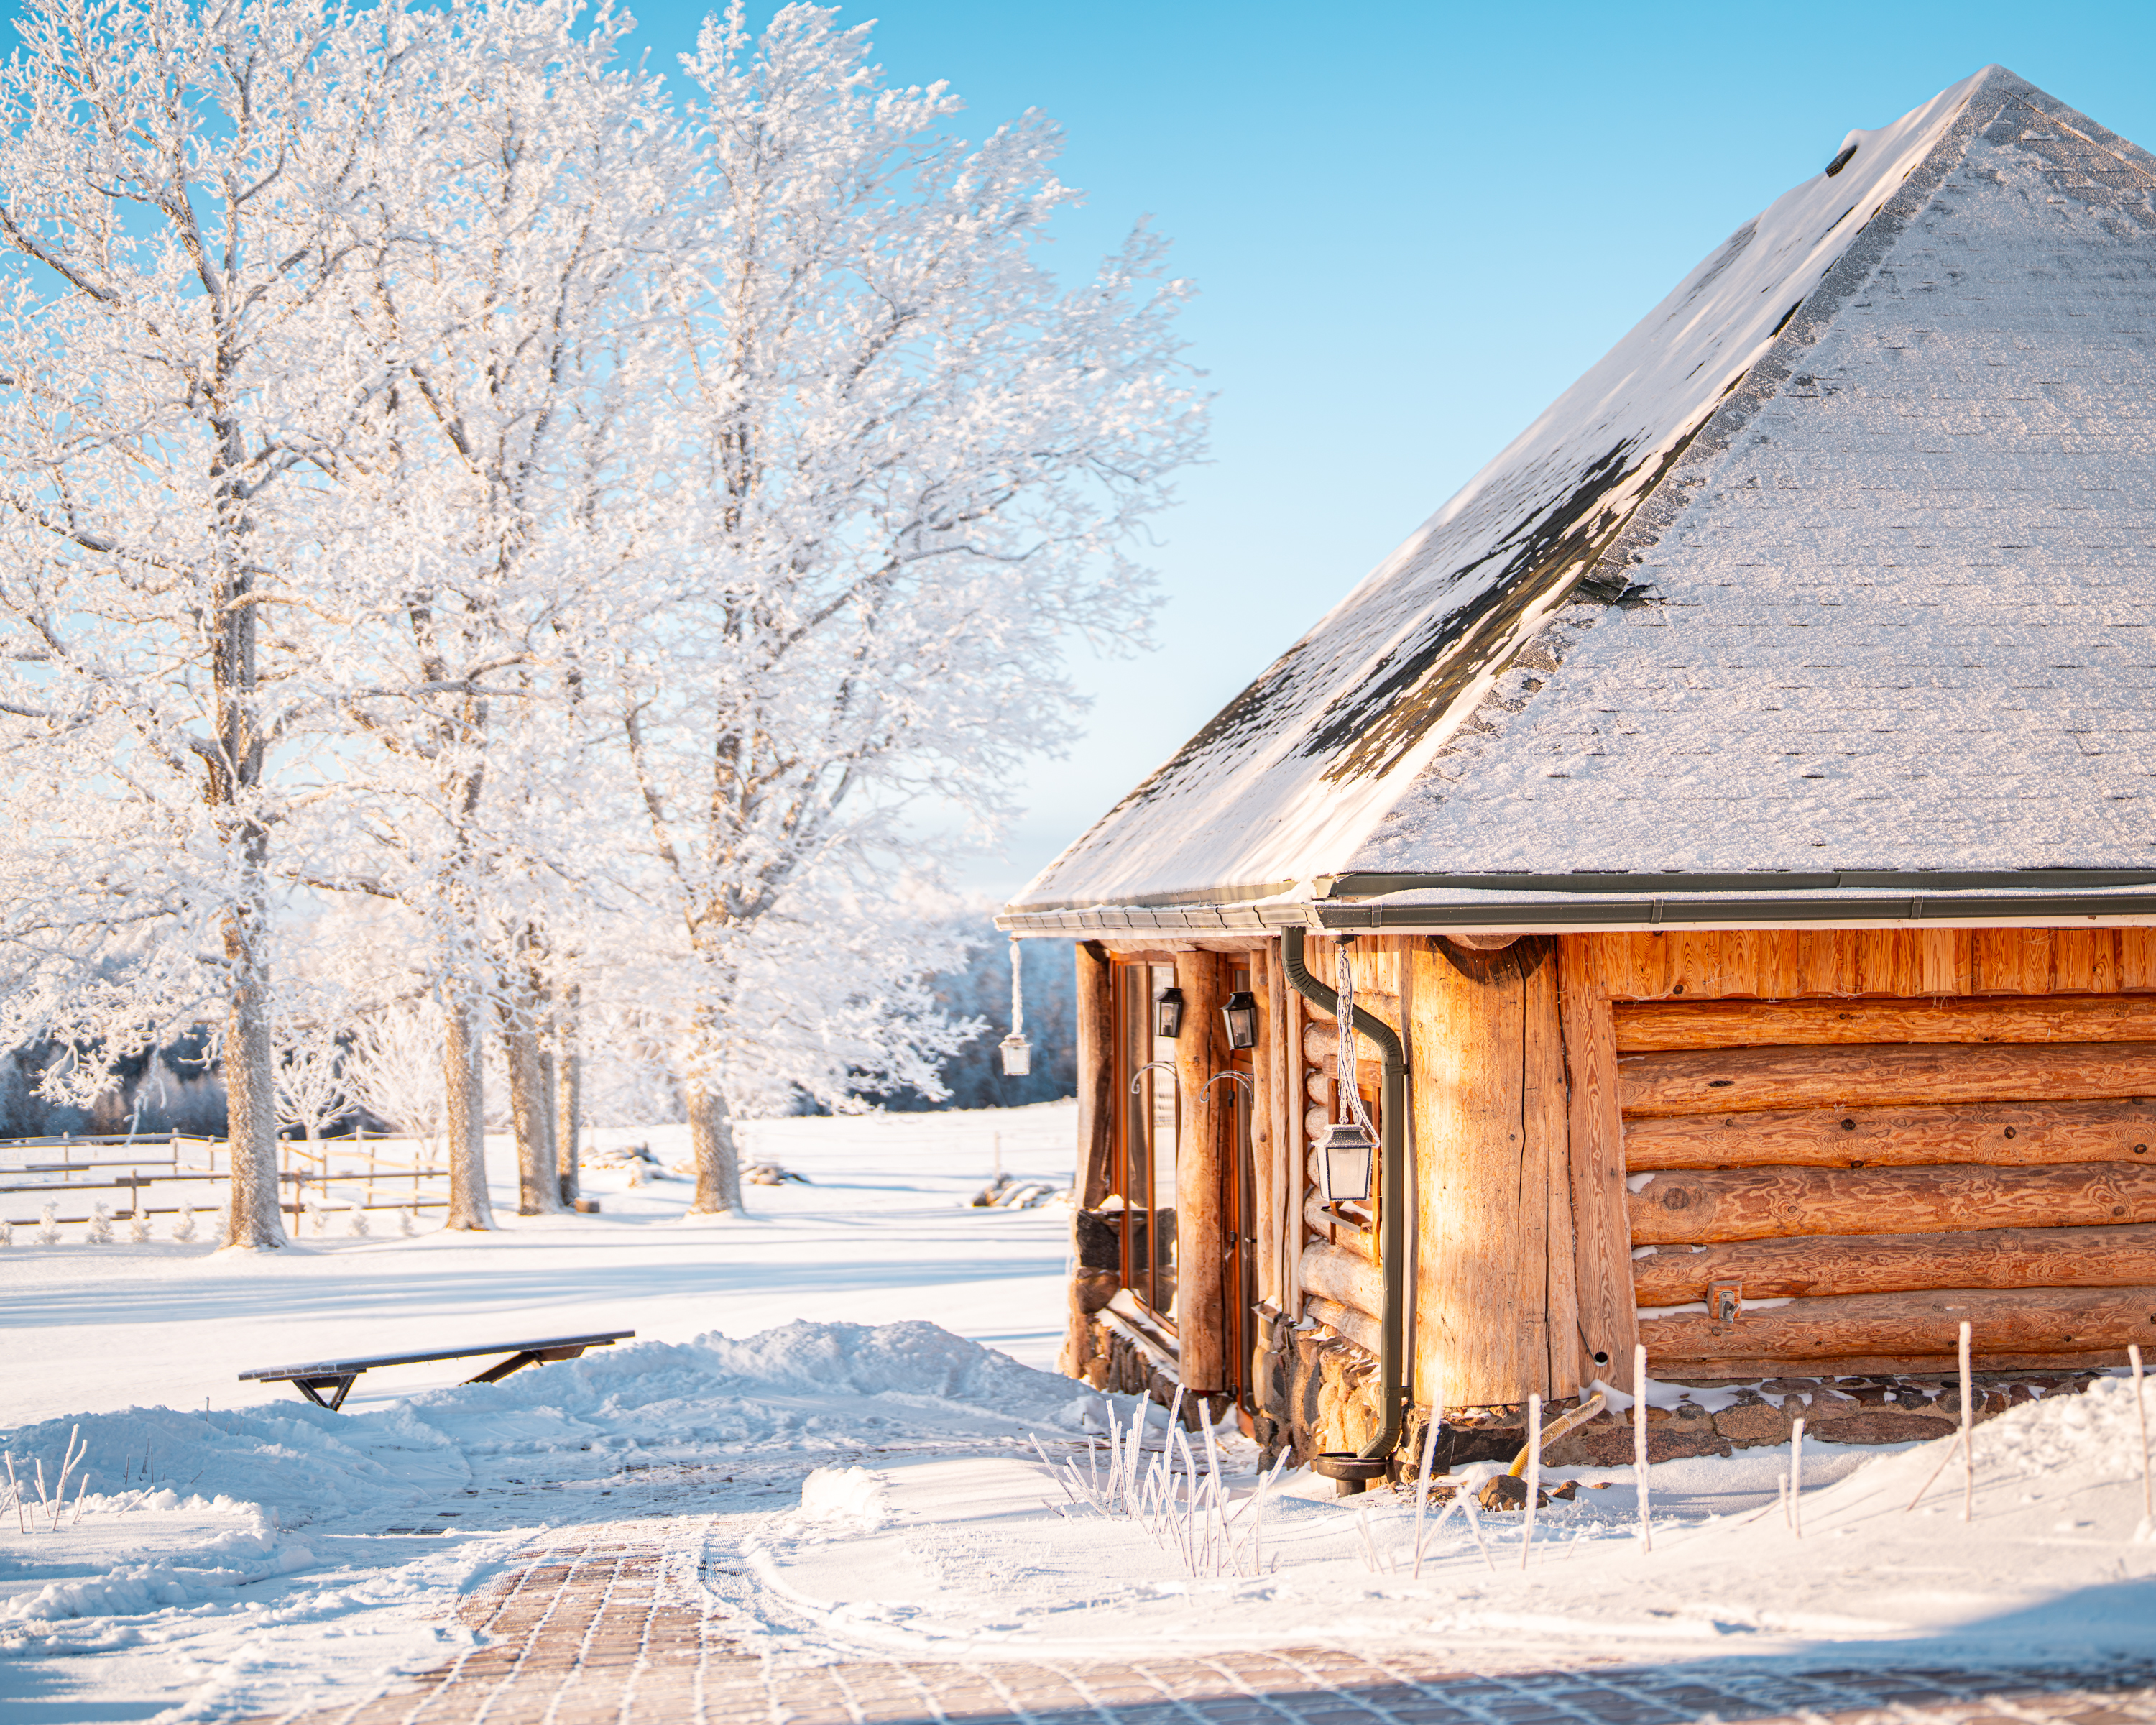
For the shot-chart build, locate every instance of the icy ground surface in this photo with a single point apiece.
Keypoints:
(810, 1420)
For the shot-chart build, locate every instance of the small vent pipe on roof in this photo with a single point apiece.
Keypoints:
(1372, 1460)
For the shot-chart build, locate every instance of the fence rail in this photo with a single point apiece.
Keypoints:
(339, 1174)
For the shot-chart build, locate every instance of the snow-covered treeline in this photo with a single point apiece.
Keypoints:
(502, 558)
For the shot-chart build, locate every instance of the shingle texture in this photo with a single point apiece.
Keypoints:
(1842, 559)
(1906, 619)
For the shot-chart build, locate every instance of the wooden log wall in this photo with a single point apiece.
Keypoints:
(1975, 1140)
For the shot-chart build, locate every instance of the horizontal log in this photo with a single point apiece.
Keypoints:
(1891, 1263)
(1360, 1240)
(1365, 1332)
(1347, 1276)
(2027, 1321)
(1317, 1086)
(1765, 1204)
(1645, 1027)
(1879, 1074)
(1314, 1121)
(2017, 1135)
(1750, 1368)
(1320, 1036)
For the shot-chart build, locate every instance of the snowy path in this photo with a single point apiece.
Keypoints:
(612, 1624)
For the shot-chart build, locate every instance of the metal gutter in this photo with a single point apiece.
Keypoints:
(1616, 883)
(1656, 910)
(1391, 1243)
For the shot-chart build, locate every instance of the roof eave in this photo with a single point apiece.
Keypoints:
(1587, 903)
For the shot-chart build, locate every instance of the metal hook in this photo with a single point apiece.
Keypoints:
(1250, 1085)
(1146, 1067)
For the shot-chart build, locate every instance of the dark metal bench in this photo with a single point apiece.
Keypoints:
(336, 1376)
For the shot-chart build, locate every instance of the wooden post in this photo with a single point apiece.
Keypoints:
(1492, 1121)
(1200, 1183)
(1602, 1226)
(1294, 1157)
(1097, 1075)
(1265, 1130)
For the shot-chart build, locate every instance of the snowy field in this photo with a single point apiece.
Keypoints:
(811, 1418)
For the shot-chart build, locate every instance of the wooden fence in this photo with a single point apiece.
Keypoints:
(152, 1177)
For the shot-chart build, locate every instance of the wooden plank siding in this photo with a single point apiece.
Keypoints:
(1889, 1130)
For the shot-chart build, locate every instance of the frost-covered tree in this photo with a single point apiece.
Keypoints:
(908, 465)
(174, 182)
(498, 288)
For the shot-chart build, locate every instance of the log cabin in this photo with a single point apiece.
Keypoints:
(1732, 811)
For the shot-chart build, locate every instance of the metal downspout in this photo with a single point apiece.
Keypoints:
(1391, 1238)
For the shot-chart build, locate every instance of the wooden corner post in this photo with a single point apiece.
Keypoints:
(1096, 1074)
(1201, 1246)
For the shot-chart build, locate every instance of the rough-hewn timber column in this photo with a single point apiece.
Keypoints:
(1494, 1323)
(1097, 1075)
(1201, 1149)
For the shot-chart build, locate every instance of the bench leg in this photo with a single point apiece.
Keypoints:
(339, 1387)
(494, 1373)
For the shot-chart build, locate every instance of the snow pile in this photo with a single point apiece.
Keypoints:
(985, 1556)
(301, 1461)
(233, 1559)
(850, 1495)
(802, 1385)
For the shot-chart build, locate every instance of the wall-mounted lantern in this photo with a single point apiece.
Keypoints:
(1345, 1155)
(1241, 1013)
(1168, 1013)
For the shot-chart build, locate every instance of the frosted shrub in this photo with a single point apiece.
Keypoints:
(100, 1225)
(183, 1224)
(408, 1223)
(315, 1213)
(358, 1222)
(138, 1226)
(7, 1233)
(49, 1227)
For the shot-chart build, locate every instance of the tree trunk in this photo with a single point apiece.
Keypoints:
(525, 1017)
(711, 1142)
(252, 1218)
(469, 1207)
(568, 1097)
(531, 1107)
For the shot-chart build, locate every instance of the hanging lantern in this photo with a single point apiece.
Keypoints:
(1016, 1052)
(1345, 1156)
(1168, 1013)
(1241, 1013)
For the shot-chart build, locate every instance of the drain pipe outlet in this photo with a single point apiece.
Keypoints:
(1372, 1460)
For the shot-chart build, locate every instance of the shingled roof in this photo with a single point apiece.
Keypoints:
(1832, 586)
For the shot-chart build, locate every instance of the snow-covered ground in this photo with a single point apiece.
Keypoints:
(810, 1403)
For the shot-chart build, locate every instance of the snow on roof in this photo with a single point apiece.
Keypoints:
(1841, 559)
